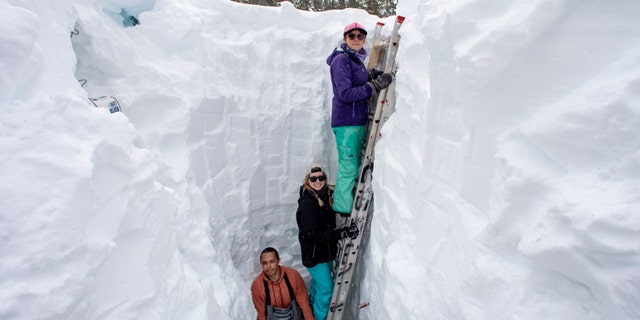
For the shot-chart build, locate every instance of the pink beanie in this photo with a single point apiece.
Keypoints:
(354, 26)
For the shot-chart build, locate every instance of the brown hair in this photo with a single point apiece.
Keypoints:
(270, 249)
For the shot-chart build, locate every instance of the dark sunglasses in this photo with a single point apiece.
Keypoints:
(314, 179)
(360, 36)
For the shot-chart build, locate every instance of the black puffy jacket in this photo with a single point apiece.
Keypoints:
(316, 228)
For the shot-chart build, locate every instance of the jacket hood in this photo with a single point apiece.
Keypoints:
(342, 49)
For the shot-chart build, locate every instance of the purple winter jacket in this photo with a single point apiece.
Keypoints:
(350, 89)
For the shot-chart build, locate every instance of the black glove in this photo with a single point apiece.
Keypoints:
(382, 82)
(353, 231)
(373, 74)
(349, 232)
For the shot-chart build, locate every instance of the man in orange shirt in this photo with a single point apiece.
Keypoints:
(279, 290)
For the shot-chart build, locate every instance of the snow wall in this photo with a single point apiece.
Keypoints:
(506, 182)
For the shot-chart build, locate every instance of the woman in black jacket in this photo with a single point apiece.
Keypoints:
(318, 237)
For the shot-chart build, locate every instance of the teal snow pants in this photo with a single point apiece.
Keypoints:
(349, 140)
(320, 289)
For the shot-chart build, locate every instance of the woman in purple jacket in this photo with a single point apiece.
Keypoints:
(352, 85)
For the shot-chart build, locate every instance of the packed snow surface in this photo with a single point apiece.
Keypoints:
(507, 181)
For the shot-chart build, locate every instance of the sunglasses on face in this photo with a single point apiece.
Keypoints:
(314, 179)
(360, 36)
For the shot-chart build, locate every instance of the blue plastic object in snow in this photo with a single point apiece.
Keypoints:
(127, 19)
(110, 103)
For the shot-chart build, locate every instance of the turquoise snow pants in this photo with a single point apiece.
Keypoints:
(349, 140)
(320, 289)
